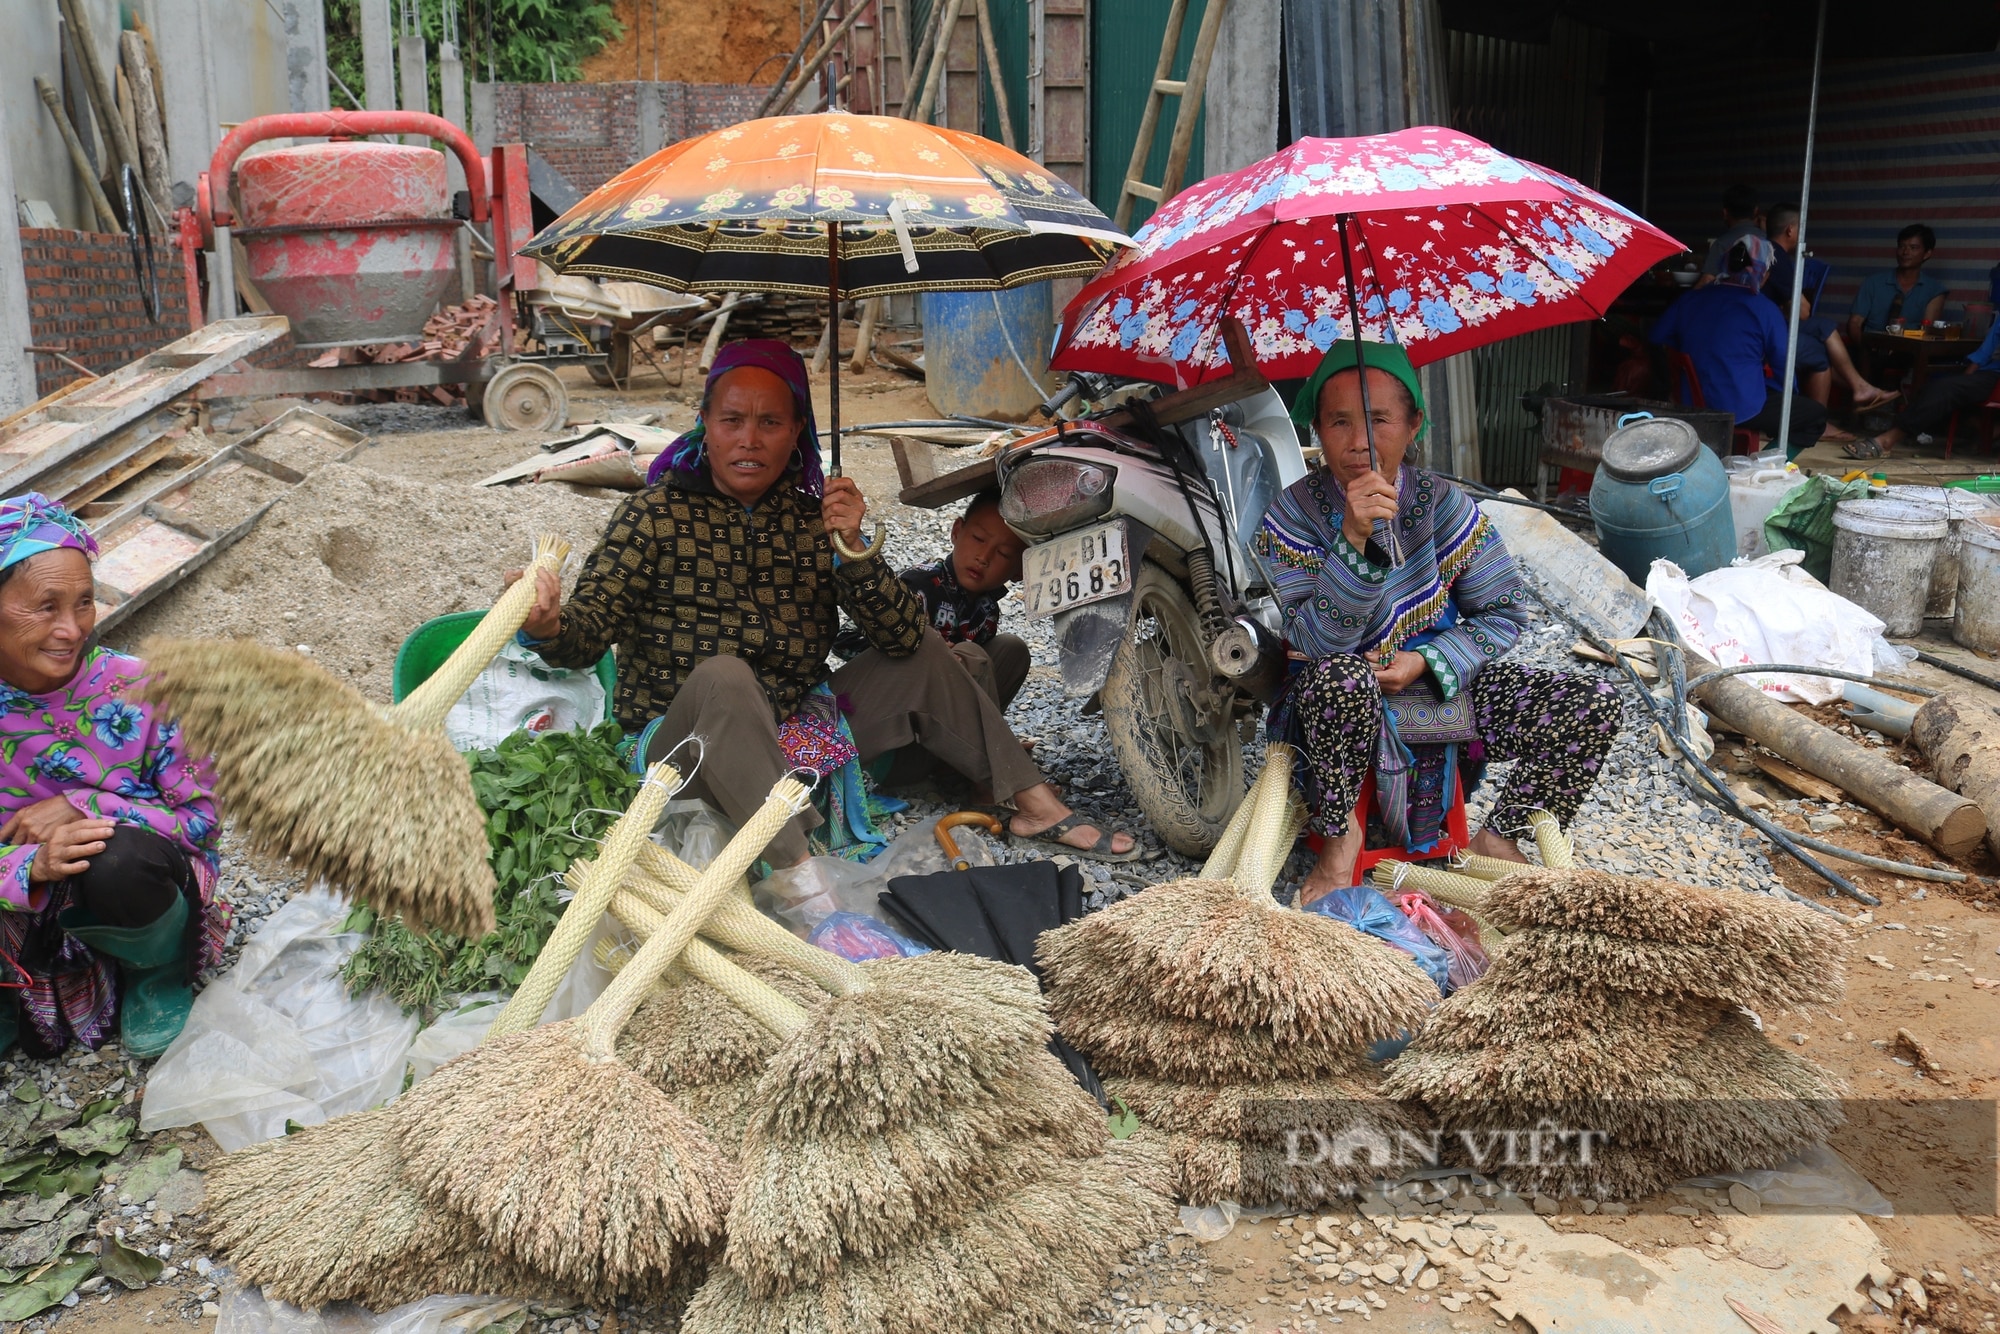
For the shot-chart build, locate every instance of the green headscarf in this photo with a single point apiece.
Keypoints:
(1387, 357)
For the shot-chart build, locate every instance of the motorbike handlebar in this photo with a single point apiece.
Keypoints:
(1063, 397)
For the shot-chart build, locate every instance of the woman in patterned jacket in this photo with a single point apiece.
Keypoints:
(107, 849)
(1394, 584)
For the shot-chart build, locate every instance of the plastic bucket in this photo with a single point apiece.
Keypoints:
(986, 354)
(1976, 622)
(1883, 551)
(1954, 507)
(1753, 494)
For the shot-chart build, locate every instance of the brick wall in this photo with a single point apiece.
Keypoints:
(592, 131)
(84, 299)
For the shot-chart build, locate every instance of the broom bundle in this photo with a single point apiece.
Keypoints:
(1587, 1021)
(375, 802)
(1202, 999)
(569, 1161)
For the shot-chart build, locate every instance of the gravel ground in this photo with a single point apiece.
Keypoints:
(1638, 818)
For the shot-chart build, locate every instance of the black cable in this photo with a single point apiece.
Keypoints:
(1944, 665)
(1484, 492)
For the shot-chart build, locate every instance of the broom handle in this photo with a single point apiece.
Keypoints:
(748, 993)
(425, 707)
(1265, 847)
(1221, 863)
(1553, 842)
(593, 896)
(1461, 892)
(609, 1013)
(662, 878)
(1484, 868)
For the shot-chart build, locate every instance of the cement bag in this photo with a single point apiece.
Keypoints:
(1768, 610)
(519, 692)
(454, 1033)
(278, 1038)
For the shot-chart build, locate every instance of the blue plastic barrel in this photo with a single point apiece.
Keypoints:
(1661, 493)
(986, 354)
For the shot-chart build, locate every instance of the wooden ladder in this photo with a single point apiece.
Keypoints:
(1189, 91)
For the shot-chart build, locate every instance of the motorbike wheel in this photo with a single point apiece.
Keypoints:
(1186, 771)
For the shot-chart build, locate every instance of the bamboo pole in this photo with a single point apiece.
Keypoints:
(98, 202)
(812, 67)
(935, 74)
(104, 103)
(146, 117)
(994, 76)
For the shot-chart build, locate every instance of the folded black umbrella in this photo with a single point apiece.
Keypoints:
(942, 911)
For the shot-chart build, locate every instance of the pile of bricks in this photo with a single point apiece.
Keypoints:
(454, 333)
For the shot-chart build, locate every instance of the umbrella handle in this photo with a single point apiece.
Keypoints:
(849, 553)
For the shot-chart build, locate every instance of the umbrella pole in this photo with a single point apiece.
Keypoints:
(833, 384)
(1389, 543)
(1799, 247)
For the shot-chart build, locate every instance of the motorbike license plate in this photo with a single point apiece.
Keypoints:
(1074, 569)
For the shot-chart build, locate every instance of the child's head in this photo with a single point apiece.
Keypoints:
(985, 552)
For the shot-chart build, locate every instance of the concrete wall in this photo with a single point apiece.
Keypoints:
(223, 60)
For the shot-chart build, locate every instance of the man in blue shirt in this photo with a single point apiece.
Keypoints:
(1904, 295)
(1941, 398)
(1732, 335)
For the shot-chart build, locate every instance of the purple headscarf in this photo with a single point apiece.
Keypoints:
(31, 524)
(689, 453)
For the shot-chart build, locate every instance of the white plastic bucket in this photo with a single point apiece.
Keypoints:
(1976, 622)
(1955, 508)
(1753, 494)
(1883, 551)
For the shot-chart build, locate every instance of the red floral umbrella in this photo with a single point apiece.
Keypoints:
(1426, 237)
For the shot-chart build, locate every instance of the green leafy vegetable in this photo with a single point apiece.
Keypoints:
(143, 1182)
(21, 1300)
(129, 1268)
(44, 1241)
(107, 1134)
(548, 799)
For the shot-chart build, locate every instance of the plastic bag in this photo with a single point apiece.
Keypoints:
(857, 938)
(806, 895)
(519, 692)
(1803, 522)
(1365, 910)
(278, 1038)
(454, 1033)
(1818, 1178)
(1458, 939)
(248, 1311)
(1768, 610)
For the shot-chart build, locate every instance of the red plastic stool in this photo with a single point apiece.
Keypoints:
(1455, 839)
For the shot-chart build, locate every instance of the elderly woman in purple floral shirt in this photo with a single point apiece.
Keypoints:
(107, 861)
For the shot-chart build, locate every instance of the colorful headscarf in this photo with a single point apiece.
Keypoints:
(1386, 357)
(1760, 253)
(32, 524)
(689, 453)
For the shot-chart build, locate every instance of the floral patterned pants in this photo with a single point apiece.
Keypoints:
(1558, 728)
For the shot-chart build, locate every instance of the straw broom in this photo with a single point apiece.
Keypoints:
(326, 1215)
(569, 1161)
(373, 801)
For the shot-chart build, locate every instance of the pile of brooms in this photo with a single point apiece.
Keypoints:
(1618, 1006)
(819, 1146)
(1226, 1020)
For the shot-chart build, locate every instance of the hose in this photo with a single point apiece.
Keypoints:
(1945, 665)
(1796, 670)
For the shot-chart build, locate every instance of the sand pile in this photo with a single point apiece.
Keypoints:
(353, 560)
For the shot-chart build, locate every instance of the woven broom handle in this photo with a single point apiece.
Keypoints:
(1461, 892)
(426, 706)
(1263, 856)
(1484, 868)
(1553, 842)
(750, 994)
(662, 878)
(607, 1015)
(593, 896)
(1221, 863)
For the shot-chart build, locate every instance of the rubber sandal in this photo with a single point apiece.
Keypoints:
(1097, 852)
(1864, 449)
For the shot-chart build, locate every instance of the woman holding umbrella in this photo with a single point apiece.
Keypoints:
(721, 587)
(1397, 667)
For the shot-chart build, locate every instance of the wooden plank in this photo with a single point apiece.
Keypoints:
(79, 475)
(44, 440)
(158, 556)
(916, 461)
(1798, 780)
(940, 491)
(120, 473)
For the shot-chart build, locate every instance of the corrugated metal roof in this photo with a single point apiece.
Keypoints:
(1900, 141)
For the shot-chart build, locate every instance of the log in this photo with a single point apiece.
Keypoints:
(1959, 733)
(1944, 820)
(146, 115)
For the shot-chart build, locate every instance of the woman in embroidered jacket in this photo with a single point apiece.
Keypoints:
(107, 828)
(1394, 584)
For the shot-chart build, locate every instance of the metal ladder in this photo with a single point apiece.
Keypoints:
(1188, 90)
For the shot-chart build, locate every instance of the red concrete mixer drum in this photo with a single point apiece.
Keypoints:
(352, 241)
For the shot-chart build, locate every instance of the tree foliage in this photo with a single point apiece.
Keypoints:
(533, 41)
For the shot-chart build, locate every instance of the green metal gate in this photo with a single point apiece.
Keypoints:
(1125, 37)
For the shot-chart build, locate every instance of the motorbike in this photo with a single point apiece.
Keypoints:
(1139, 519)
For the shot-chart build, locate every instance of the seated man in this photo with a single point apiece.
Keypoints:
(1942, 396)
(1822, 352)
(961, 596)
(1731, 334)
(1904, 295)
(1739, 219)
(720, 587)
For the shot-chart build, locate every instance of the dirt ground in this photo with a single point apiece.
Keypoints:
(694, 41)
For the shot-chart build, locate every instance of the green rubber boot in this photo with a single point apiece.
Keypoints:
(153, 976)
